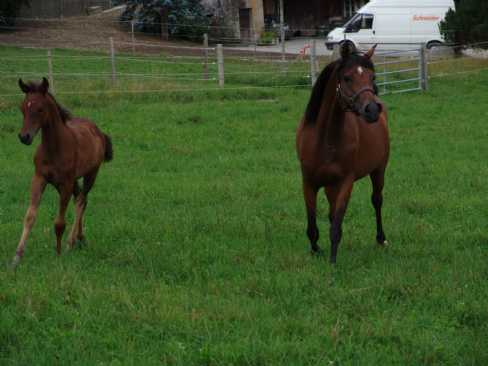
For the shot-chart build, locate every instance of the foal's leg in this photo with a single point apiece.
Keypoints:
(378, 179)
(65, 192)
(343, 190)
(74, 230)
(37, 189)
(310, 194)
(88, 182)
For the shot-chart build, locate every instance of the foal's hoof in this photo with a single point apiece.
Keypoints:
(81, 243)
(383, 243)
(78, 243)
(317, 253)
(15, 263)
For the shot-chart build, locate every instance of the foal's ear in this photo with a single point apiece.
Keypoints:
(24, 87)
(370, 53)
(44, 87)
(347, 49)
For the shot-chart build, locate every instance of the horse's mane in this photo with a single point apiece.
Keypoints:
(64, 113)
(318, 91)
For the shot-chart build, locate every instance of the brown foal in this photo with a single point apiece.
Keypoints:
(342, 138)
(70, 148)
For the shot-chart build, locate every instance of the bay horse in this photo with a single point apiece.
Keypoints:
(70, 148)
(342, 138)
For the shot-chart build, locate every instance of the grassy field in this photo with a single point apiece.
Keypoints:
(197, 253)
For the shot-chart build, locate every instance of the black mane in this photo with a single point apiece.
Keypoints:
(64, 113)
(313, 107)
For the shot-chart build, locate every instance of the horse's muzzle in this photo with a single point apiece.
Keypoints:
(371, 112)
(25, 139)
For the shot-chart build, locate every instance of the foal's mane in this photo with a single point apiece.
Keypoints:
(64, 113)
(333, 69)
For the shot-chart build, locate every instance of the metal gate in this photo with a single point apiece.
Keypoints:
(401, 71)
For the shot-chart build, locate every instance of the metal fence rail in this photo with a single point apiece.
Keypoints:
(120, 66)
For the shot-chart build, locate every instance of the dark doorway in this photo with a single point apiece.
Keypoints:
(245, 23)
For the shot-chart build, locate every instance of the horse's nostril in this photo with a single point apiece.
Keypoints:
(372, 108)
(372, 112)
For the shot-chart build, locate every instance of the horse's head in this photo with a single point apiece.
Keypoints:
(34, 108)
(356, 87)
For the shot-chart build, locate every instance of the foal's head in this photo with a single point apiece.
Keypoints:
(39, 109)
(356, 87)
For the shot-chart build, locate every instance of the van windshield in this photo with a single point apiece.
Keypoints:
(358, 22)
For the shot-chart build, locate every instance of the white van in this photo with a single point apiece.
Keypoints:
(394, 22)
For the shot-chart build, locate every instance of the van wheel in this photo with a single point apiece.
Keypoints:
(433, 44)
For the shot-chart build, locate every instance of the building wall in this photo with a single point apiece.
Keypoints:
(257, 14)
(310, 15)
(305, 16)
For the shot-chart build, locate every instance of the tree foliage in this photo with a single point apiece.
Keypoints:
(185, 18)
(468, 23)
(9, 10)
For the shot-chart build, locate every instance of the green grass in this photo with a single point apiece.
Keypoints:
(197, 253)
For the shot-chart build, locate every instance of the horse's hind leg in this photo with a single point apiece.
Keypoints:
(377, 180)
(310, 195)
(74, 230)
(82, 200)
(65, 192)
(343, 193)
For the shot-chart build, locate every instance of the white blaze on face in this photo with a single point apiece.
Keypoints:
(29, 104)
(360, 70)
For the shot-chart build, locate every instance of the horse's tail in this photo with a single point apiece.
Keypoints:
(109, 151)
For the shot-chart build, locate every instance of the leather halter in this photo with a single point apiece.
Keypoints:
(348, 102)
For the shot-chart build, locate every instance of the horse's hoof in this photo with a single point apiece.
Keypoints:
(333, 260)
(15, 262)
(80, 243)
(318, 253)
(383, 243)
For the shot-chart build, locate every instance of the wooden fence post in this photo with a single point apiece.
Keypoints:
(220, 63)
(133, 36)
(282, 30)
(50, 72)
(313, 64)
(205, 62)
(112, 58)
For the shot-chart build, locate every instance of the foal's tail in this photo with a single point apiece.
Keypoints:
(109, 151)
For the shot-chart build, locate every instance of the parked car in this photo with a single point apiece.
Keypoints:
(394, 22)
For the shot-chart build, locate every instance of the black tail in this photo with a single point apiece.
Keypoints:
(109, 151)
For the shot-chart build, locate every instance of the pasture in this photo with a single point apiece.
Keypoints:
(197, 253)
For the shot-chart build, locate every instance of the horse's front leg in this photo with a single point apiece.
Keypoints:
(37, 188)
(65, 192)
(310, 195)
(343, 190)
(377, 180)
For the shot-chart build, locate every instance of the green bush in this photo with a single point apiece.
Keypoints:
(468, 23)
(267, 38)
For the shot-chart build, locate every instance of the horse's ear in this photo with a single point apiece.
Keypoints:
(347, 49)
(24, 87)
(44, 87)
(370, 53)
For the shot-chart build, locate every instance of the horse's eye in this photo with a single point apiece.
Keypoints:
(347, 79)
